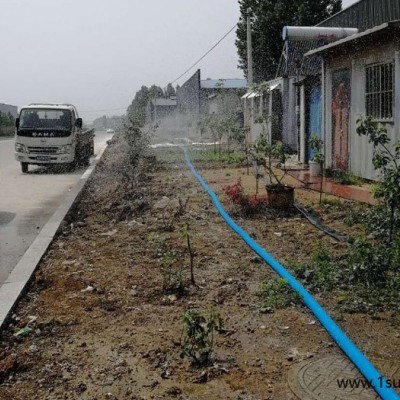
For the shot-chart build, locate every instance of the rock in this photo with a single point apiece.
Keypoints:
(161, 204)
(173, 391)
(257, 362)
(81, 388)
(202, 378)
(109, 233)
(172, 298)
(266, 310)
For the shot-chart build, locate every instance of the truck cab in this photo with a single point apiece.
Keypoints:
(48, 134)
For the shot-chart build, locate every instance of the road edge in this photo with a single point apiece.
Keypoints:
(14, 287)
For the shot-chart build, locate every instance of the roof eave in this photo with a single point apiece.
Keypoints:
(368, 34)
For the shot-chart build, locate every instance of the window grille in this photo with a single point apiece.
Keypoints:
(379, 87)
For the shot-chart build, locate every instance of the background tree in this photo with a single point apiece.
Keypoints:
(137, 109)
(268, 19)
(169, 91)
(155, 92)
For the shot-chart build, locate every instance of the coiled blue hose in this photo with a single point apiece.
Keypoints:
(348, 347)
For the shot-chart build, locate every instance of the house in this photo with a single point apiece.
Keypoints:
(198, 97)
(160, 108)
(360, 76)
(263, 113)
(301, 89)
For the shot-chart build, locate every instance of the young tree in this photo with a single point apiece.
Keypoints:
(268, 19)
(386, 160)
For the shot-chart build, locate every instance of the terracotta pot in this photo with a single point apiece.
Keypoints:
(280, 196)
(315, 168)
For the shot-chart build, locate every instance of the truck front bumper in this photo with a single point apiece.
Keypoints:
(41, 159)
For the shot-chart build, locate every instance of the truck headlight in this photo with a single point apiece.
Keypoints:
(20, 148)
(67, 149)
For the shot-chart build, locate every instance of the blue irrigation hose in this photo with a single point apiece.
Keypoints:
(348, 347)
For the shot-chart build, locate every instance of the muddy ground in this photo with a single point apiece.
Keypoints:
(102, 327)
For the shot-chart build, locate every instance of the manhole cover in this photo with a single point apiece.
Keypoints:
(319, 379)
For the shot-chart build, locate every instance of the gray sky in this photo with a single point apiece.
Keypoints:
(97, 53)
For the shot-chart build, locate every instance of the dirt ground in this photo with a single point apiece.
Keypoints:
(103, 328)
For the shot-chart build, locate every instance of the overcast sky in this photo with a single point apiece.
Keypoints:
(97, 53)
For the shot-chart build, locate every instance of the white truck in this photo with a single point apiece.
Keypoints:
(48, 134)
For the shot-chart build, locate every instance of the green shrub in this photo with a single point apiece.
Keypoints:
(278, 294)
(368, 262)
(198, 342)
(324, 276)
(172, 272)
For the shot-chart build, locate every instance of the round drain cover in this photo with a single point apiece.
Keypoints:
(319, 379)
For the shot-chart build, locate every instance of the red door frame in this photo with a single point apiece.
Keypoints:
(341, 91)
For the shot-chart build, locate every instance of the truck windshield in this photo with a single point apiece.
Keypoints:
(39, 118)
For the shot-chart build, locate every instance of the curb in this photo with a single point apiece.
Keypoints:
(17, 282)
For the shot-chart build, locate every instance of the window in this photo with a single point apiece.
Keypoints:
(40, 118)
(379, 87)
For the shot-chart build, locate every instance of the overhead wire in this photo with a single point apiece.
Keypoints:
(180, 76)
(205, 54)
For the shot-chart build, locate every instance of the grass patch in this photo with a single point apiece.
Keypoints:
(278, 294)
(344, 178)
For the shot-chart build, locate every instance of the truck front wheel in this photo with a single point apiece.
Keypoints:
(24, 167)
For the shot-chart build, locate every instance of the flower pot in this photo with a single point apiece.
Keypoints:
(280, 196)
(315, 168)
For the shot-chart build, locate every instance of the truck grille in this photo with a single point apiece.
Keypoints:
(43, 150)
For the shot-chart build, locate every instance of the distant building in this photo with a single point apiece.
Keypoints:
(160, 108)
(7, 108)
(199, 97)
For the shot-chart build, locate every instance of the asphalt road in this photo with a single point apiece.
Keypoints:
(27, 201)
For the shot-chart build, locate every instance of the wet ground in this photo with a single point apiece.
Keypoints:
(102, 327)
(29, 200)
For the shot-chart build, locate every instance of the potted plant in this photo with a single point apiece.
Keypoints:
(263, 152)
(317, 159)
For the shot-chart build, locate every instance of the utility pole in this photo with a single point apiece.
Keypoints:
(249, 51)
(248, 107)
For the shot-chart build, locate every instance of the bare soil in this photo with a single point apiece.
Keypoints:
(103, 328)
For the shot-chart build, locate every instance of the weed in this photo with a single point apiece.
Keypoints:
(368, 263)
(331, 201)
(182, 204)
(198, 331)
(343, 178)
(324, 277)
(172, 272)
(278, 294)
(375, 220)
(225, 157)
(319, 274)
(167, 222)
(298, 268)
